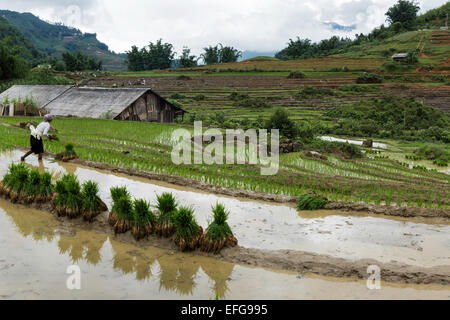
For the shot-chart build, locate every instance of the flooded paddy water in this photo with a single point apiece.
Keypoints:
(36, 249)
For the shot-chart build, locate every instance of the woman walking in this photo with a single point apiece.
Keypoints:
(37, 146)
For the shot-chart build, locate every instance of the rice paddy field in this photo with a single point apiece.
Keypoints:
(382, 178)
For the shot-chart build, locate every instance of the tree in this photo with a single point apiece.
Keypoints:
(134, 61)
(80, 62)
(159, 56)
(11, 64)
(280, 120)
(404, 12)
(211, 55)
(155, 56)
(229, 54)
(220, 54)
(186, 60)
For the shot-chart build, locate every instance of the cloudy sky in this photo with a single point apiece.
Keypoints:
(257, 25)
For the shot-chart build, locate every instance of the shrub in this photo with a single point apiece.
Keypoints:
(199, 97)
(311, 92)
(391, 117)
(369, 78)
(280, 120)
(311, 202)
(177, 96)
(296, 75)
(254, 103)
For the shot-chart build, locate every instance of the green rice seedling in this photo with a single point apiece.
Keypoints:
(68, 154)
(143, 219)
(92, 205)
(218, 234)
(46, 187)
(116, 194)
(124, 210)
(17, 181)
(68, 200)
(188, 232)
(311, 201)
(32, 187)
(167, 206)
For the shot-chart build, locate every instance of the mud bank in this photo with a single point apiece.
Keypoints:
(253, 195)
(388, 210)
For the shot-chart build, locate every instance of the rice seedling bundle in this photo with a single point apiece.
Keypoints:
(68, 200)
(116, 194)
(68, 154)
(46, 187)
(311, 201)
(92, 205)
(188, 232)
(218, 234)
(125, 215)
(143, 219)
(167, 207)
(32, 186)
(14, 182)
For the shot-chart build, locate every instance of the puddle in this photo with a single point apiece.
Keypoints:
(260, 225)
(426, 163)
(36, 250)
(357, 142)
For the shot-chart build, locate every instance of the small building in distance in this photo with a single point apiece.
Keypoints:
(134, 104)
(400, 57)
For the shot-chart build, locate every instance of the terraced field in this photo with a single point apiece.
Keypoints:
(206, 94)
(147, 146)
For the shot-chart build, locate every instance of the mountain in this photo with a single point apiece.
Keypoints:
(29, 51)
(54, 39)
(339, 27)
(253, 54)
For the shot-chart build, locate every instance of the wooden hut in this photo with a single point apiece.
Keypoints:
(134, 104)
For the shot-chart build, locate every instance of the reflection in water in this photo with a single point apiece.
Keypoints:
(177, 272)
(219, 274)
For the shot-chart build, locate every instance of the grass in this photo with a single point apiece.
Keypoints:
(311, 202)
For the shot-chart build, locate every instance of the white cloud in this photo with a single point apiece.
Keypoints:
(262, 25)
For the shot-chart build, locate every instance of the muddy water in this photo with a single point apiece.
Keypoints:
(36, 249)
(356, 142)
(417, 242)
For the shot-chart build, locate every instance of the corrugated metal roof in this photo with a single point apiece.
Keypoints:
(93, 102)
(42, 95)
